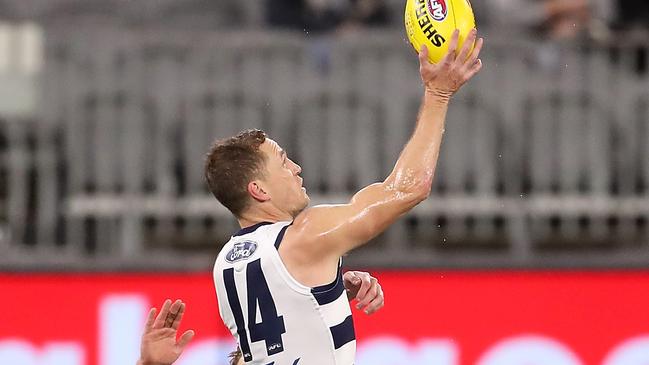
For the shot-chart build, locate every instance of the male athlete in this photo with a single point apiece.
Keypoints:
(278, 280)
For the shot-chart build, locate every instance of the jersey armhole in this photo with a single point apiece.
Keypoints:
(327, 290)
(279, 263)
(280, 235)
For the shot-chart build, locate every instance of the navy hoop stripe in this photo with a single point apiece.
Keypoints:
(343, 333)
(328, 293)
(331, 292)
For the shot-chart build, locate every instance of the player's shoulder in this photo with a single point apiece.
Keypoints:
(313, 223)
(248, 241)
(313, 216)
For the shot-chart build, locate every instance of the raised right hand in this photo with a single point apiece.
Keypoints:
(446, 77)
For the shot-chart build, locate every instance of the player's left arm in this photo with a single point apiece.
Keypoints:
(365, 289)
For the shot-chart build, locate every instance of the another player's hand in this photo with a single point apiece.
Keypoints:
(159, 345)
(365, 289)
(446, 77)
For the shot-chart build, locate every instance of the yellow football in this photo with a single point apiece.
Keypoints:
(432, 22)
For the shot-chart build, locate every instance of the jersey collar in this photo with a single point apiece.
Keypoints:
(250, 229)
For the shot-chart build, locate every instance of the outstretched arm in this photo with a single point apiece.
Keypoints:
(333, 230)
(159, 345)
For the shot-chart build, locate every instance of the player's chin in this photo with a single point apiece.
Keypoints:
(302, 206)
(305, 198)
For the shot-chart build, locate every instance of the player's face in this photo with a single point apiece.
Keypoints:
(283, 180)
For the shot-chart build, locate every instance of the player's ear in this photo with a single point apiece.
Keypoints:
(257, 191)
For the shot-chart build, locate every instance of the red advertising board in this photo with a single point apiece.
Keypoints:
(446, 318)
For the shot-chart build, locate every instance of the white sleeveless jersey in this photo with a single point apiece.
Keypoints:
(275, 319)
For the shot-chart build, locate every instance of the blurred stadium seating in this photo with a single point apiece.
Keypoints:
(109, 111)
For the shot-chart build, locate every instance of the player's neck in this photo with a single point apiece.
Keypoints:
(256, 215)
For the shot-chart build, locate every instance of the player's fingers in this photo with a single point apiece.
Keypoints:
(366, 285)
(370, 295)
(477, 66)
(351, 278)
(476, 52)
(173, 313)
(468, 44)
(423, 55)
(351, 282)
(160, 319)
(150, 318)
(179, 317)
(185, 338)
(375, 304)
(452, 48)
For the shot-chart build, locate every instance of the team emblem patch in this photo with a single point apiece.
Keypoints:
(241, 251)
(438, 9)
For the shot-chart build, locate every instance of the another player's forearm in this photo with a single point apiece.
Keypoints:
(415, 168)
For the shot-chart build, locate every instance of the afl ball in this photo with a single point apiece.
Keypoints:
(432, 22)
